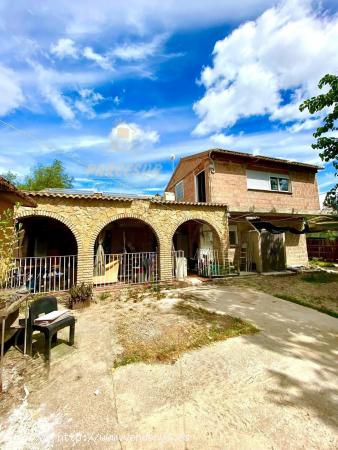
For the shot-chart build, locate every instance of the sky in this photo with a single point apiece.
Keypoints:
(120, 91)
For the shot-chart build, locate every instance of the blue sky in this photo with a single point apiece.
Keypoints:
(114, 90)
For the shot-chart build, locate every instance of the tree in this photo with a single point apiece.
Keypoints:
(42, 177)
(11, 177)
(331, 199)
(328, 145)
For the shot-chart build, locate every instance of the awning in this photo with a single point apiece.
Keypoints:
(314, 224)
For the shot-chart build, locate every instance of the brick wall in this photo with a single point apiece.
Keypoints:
(229, 185)
(186, 171)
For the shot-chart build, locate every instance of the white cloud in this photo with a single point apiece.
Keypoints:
(53, 95)
(139, 51)
(11, 96)
(64, 47)
(127, 136)
(222, 140)
(100, 60)
(289, 47)
(88, 99)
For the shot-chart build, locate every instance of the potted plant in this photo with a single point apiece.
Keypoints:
(80, 295)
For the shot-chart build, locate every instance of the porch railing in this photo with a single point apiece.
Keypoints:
(126, 268)
(208, 263)
(43, 274)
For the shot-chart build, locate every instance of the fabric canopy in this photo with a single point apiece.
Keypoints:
(313, 224)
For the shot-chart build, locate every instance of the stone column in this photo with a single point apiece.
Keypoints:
(165, 262)
(85, 264)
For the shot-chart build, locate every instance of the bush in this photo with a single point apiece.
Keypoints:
(80, 293)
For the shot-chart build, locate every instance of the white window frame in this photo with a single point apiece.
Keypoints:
(235, 229)
(278, 185)
(177, 184)
(265, 181)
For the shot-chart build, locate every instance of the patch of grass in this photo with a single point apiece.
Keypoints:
(301, 302)
(104, 296)
(320, 277)
(165, 339)
(321, 263)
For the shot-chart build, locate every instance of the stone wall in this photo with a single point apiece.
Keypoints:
(86, 217)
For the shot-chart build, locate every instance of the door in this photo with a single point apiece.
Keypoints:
(200, 188)
(273, 251)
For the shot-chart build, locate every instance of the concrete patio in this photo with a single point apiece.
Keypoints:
(275, 389)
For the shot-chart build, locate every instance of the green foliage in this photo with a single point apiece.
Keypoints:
(319, 262)
(80, 293)
(9, 240)
(42, 177)
(327, 145)
(320, 277)
(11, 177)
(104, 296)
(302, 302)
(331, 199)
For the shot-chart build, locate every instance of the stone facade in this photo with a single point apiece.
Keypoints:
(86, 217)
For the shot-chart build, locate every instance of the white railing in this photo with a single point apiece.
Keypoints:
(126, 268)
(208, 263)
(43, 274)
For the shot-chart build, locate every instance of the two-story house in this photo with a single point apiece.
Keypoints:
(268, 201)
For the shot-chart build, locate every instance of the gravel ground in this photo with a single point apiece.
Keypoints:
(275, 389)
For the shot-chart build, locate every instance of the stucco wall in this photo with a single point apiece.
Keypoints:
(86, 218)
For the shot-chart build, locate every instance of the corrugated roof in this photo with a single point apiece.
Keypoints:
(20, 196)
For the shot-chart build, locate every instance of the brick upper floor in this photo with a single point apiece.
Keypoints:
(246, 182)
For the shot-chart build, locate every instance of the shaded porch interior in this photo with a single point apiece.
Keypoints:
(253, 250)
(126, 251)
(42, 236)
(46, 257)
(198, 250)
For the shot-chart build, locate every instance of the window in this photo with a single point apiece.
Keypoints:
(200, 187)
(179, 191)
(265, 181)
(233, 237)
(279, 184)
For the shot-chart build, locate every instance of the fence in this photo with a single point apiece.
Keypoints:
(126, 268)
(323, 248)
(208, 263)
(43, 274)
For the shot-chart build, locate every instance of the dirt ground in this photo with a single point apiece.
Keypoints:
(318, 290)
(273, 389)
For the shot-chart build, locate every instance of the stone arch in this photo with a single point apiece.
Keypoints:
(193, 217)
(106, 222)
(52, 215)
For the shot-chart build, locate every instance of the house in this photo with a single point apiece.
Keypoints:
(261, 194)
(10, 195)
(221, 211)
(105, 239)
